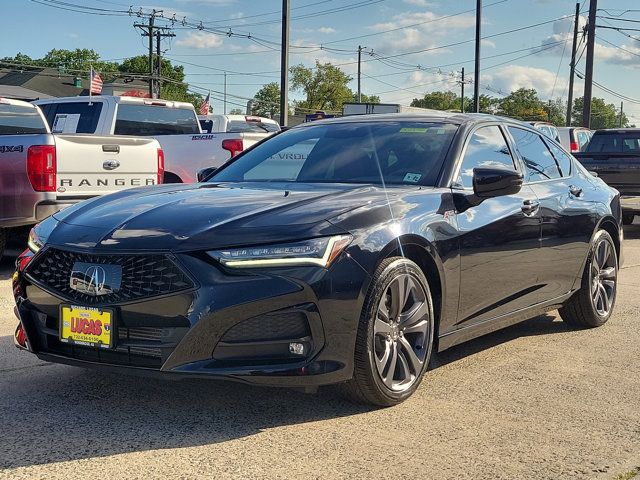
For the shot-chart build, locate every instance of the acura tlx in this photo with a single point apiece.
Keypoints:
(342, 252)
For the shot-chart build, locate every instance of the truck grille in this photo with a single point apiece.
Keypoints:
(143, 276)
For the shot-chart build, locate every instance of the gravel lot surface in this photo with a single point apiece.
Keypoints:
(537, 400)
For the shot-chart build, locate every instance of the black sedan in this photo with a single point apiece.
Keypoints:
(343, 251)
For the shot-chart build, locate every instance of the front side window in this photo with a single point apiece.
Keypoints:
(147, 120)
(17, 120)
(486, 148)
(539, 163)
(394, 152)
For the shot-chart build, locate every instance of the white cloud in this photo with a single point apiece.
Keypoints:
(419, 3)
(200, 40)
(487, 43)
(419, 30)
(512, 77)
(326, 30)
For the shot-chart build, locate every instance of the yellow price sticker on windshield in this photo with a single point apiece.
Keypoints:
(413, 130)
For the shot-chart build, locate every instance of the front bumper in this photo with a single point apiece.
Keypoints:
(231, 325)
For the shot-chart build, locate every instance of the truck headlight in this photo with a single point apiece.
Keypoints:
(320, 252)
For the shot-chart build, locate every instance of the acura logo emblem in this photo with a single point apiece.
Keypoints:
(95, 279)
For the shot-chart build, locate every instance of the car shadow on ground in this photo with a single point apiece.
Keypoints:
(632, 232)
(57, 413)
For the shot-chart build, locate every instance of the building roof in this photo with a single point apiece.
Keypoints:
(21, 93)
(46, 82)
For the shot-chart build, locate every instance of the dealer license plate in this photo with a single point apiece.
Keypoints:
(86, 326)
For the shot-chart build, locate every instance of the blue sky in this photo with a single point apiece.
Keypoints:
(331, 30)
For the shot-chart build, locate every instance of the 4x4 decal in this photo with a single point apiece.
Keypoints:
(11, 148)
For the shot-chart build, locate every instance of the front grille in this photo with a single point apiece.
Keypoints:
(143, 276)
(274, 326)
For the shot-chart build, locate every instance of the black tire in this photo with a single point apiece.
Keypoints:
(582, 310)
(627, 218)
(368, 384)
(3, 241)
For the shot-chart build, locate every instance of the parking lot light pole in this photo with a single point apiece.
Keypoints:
(284, 65)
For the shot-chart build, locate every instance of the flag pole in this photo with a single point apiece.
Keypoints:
(209, 103)
(90, 81)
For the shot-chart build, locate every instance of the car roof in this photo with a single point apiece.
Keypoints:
(433, 116)
(617, 130)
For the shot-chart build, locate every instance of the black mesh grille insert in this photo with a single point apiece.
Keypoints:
(274, 326)
(143, 276)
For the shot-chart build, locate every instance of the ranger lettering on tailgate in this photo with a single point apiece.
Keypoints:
(105, 182)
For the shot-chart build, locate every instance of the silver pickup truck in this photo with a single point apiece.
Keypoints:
(41, 173)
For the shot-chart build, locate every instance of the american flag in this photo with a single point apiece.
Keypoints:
(204, 108)
(96, 83)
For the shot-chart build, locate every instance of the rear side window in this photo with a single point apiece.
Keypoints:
(155, 120)
(539, 162)
(615, 142)
(72, 117)
(17, 120)
(564, 161)
(486, 148)
(583, 140)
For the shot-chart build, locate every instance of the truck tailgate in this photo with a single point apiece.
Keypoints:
(619, 170)
(90, 165)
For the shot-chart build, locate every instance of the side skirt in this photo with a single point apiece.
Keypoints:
(488, 326)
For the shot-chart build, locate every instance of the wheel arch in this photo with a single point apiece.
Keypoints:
(424, 254)
(610, 224)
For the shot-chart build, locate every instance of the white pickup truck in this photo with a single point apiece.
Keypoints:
(41, 173)
(174, 124)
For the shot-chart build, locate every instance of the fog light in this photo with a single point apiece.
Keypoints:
(296, 348)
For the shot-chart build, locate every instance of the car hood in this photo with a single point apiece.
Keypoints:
(207, 216)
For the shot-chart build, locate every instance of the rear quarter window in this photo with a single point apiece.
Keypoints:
(17, 120)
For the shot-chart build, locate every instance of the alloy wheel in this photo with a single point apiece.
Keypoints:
(401, 332)
(603, 277)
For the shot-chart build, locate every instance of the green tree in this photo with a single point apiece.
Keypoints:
(366, 98)
(267, 100)
(523, 104)
(439, 101)
(173, 85)
(325, 87)
(236, 111)
(603, 115)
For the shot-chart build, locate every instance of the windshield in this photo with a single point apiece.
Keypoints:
(365, 152)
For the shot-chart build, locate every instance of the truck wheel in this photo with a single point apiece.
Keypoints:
(592, 305)
(3, 240)
(627, 218)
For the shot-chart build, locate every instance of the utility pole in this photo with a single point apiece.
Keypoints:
(284, 65)
(225, 93)
(573, 65)
(549, 112)
(147, 31)
(161, 32)
(462, 92)
(476, 80)
(621, 112)
(588, 79)
(359, 73)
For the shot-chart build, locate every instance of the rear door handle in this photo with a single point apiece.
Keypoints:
(575, 191)
(530, 207)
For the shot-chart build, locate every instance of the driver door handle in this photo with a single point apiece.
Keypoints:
(530, 207)
(575, 191)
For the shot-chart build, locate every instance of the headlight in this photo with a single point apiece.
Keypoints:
(319, 252)
(39, 234)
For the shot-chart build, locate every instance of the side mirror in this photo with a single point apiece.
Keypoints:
(205, 173)
(495, 182)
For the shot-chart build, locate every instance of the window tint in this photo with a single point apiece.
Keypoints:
(583, 140)
(563, 160)
(537, 158)
(237, 126)
(410, 153)
(486, 148)
(17, 119)
(80, 116)
(615, 142)
(155, 120)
